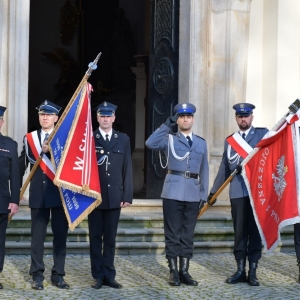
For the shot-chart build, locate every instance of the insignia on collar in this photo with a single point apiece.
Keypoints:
(115, 136)
(97, 136)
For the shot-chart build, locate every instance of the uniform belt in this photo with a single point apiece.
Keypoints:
(185, 174)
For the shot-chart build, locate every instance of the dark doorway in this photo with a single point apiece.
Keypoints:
(163, 81)
(66, 35)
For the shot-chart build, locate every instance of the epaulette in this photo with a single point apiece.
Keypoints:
(200, 137)
(262, 128)
(120, 132)
(229, 136)
(10, 139)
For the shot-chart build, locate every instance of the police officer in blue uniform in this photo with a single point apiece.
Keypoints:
(44, 199)
(185, 188)
(115, 172)
(9, 184)
(247, 239)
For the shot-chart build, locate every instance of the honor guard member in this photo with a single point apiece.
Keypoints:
(247, 241)
(44, 199)
(297, 242)
(297, 245)
(185, 187)
(9, 184)
(115, 172)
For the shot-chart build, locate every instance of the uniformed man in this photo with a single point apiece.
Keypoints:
(297, 245)
(247, 241)
(185, 187)
(44, 198)
(115, 172)
(9, 184)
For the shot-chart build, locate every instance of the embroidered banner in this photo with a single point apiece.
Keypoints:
(271, 177)
(73, 154)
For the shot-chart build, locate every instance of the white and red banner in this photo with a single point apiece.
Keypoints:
(272, 180)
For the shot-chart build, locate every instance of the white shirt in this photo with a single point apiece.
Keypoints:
(43, 133)
(246, 132)
(105, 133)
(190, 135)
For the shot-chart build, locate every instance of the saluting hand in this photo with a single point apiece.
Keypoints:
(13, 208)
(124, 204)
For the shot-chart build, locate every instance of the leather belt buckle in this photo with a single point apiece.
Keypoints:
(187, 174)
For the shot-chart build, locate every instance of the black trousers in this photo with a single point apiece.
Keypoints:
(103, 225)
(297, 240)
(180, 218)
(59, 224)
(3, 225)
(247, 241)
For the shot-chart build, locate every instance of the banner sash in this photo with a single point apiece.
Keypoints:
(239, 145)
(35, 147)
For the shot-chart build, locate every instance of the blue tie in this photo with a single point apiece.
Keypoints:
(190, 141)
(107, 139)
(244, 136)
(46, 137)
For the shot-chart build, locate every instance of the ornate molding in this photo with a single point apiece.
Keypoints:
(163, 75)
(164, 21)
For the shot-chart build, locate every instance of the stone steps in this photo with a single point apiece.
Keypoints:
(140, 231)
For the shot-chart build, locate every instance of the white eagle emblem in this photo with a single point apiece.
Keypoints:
(279, 181)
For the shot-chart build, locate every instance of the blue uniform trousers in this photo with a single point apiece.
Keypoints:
(247, 241)
(180, 218)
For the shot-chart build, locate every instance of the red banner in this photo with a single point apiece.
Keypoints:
(271, 178)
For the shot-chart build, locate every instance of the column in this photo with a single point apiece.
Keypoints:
(14, 50)
(213, 67)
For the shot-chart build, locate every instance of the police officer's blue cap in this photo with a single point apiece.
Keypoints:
(185, 109)
(48, 107)
(2, 110)
(243, 109)
(106, 109)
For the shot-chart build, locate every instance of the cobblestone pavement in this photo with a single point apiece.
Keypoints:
(145, 277)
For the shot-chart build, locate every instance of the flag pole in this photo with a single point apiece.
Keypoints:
(293, 108)
(92, 66)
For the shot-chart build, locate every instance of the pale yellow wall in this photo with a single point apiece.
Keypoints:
(273, 74)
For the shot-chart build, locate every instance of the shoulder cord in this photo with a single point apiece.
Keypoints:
(102, 160)
(26, 151)
(234, 158)
(171, 145)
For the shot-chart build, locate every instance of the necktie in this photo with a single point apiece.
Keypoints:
(107, 139)
(46, 137)
(244, 135)
(189, 140)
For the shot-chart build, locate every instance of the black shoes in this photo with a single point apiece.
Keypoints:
(112, 283)
(184, 275)
(252, 280)
(240, 274)
(97, 284)
(174, 276)
(60, 283)
(37, 284)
